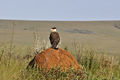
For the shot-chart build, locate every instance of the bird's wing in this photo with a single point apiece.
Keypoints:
(54, 36)
(57, 37)
(51, 39)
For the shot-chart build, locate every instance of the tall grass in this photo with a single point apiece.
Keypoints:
(96, 64)
(38, 44)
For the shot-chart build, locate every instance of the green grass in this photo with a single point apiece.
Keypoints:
(96, 65)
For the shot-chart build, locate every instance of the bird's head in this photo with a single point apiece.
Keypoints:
(53, 29)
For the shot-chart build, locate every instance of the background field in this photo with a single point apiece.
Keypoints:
(91, 43)
(103, 35)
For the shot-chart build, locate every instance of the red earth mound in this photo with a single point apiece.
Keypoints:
(50, 58)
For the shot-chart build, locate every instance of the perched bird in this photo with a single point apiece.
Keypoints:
(54, 38)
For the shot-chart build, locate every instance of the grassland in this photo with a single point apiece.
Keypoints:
(96, 65)
(98, 34)
(95, 45)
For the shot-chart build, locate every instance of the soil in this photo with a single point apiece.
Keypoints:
(50, 58)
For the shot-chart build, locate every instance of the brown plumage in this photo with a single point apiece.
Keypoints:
(54, 39)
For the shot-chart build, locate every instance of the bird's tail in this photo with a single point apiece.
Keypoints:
(54, 46)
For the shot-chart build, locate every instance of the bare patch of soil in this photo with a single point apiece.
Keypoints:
(50, 58)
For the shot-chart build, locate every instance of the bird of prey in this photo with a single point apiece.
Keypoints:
(54, 38)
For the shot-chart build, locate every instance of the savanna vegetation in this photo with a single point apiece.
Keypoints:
(96, 64)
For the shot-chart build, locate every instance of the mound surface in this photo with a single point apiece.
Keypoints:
(50, 58)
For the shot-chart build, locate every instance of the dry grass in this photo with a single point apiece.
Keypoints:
(96, 65)
(100, 34)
